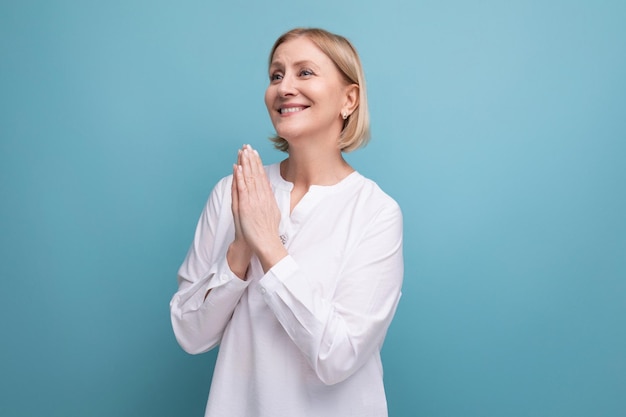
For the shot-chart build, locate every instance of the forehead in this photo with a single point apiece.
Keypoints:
(300, 49)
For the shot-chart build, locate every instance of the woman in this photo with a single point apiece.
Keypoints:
(296, 268)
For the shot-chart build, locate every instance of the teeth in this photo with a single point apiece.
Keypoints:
(291, 110)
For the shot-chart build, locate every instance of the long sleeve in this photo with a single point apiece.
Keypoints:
(304, 338)
(337, 331)
(199, 319)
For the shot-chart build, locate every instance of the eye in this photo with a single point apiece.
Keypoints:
(276, 76)
(306, 72)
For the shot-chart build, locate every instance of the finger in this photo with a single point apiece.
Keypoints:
(237, 167)
(258, 171)
(233, 191)
(247, 170)
(239, 155)
(235, 202)
(240, 183)
(256, 164)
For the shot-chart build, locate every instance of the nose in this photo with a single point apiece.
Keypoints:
(287, 86)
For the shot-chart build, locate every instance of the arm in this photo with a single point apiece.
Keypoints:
(208, 290)
(338, 335)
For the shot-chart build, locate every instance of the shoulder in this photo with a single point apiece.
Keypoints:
(222, 188)
(376, 214)
(373, 195)
(368, 205)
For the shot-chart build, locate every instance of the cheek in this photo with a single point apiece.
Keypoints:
(268, 99)
(330, 95)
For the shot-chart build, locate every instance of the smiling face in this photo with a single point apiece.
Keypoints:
(307, 94)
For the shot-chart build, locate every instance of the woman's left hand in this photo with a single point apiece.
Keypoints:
(259, 215)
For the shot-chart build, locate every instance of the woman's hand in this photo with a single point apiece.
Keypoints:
(239, 252)
(255, 210)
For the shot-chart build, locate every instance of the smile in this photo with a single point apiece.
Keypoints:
(287, 110)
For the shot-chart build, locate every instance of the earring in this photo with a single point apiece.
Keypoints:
(344, 115)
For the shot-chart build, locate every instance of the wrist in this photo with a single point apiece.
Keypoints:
(238, 257)
(270, 254)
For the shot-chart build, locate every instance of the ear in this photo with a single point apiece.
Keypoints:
(351, 101)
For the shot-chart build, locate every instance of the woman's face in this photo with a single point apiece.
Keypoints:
(306, 94)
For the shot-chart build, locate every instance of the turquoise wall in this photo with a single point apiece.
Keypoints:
(500, 128)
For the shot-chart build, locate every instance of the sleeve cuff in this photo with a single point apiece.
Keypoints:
(278, 274)
(225, 277)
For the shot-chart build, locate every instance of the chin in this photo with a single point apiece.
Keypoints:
(288, 134)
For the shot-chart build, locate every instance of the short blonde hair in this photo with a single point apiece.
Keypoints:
(356, 128)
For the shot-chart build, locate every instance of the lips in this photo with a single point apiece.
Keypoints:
(292, 109)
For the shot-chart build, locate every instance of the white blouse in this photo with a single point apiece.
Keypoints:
(303, 339)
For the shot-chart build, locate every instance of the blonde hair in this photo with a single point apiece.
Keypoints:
(356, 128)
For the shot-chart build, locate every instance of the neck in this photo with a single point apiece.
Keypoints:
(314, 167)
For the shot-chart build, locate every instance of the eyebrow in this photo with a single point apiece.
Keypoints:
(303, 63)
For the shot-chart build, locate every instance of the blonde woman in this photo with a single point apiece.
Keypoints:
(296, 268)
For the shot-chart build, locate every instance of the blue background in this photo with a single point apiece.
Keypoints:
(499, 127)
